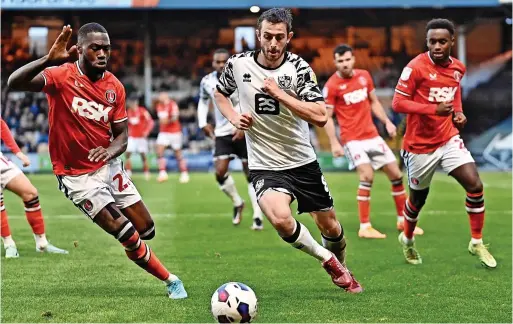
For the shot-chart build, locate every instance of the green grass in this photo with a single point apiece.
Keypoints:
(195, 239)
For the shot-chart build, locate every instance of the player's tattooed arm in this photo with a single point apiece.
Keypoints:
(116, 147)
(29, 77)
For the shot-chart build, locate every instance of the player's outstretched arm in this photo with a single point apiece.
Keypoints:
(28, 77)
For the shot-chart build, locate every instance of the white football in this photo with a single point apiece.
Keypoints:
(234, 302)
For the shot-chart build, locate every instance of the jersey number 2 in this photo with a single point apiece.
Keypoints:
(121, 186)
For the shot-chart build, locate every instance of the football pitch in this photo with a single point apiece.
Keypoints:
(196, 240)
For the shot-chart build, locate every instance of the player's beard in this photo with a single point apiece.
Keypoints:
(94, 69)
(275, 56)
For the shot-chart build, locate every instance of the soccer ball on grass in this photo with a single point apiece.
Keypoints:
(234, 302)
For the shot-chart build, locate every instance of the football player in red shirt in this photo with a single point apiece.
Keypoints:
(429, 92)
(170, 134)
(351, 95)
(86, 109)
(140, 125)
(13, 179)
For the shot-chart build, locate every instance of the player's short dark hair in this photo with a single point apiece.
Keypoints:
(342, 49)
(90, 28)
(221, 51)
(440, 23)
(275, 16)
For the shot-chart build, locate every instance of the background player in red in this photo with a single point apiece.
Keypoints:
(350, 94)
(86, 109)
(13, 179)
(429, 92)
(140, 125)
(170, 134)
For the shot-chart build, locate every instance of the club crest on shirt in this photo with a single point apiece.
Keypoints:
(457, 76)
(405, 75)
(110, 95)
(285, 81)
(362, 81)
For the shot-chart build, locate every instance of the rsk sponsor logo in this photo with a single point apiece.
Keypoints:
(442, 94)
(356, 96)
(90, 109)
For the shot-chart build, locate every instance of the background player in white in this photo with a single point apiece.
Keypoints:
(229, 142)
(282, 162)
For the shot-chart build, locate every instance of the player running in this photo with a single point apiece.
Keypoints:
(279, 96)
(140, 125)
(429, 92)
(170, 134)
(13, 179)
(350, 94)
(86, 108)
(229, 142)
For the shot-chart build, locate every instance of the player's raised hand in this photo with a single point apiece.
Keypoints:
(23, 158)
(239, 134)
(337, 150)
(391, 129)
(99, 154)
(459, 120)
(58, 54)
(444, 108)
(271, 87)
(242, 121)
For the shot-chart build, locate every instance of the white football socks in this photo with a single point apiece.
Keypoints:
(257, 212)
(228, 187)
(306, 243)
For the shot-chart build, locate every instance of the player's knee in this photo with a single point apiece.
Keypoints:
(328, 224)
(29, 194)
(221, 177)
(418, 199)
(282, 221)
(124, 232)
(476, 186)
(367, 177)
(148, 233)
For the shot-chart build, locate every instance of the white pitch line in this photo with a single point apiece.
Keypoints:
(485, 184)
(227, 215)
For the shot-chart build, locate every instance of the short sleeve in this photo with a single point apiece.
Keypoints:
(52, 75)
(408, 80)
(330, 94)
(307, 88)
(226, 84)
(370, 82)
(120, 114)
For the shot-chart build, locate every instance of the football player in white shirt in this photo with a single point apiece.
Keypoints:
(229, 142)
(279, 96)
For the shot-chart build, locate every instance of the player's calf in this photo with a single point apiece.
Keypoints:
(112, 221)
